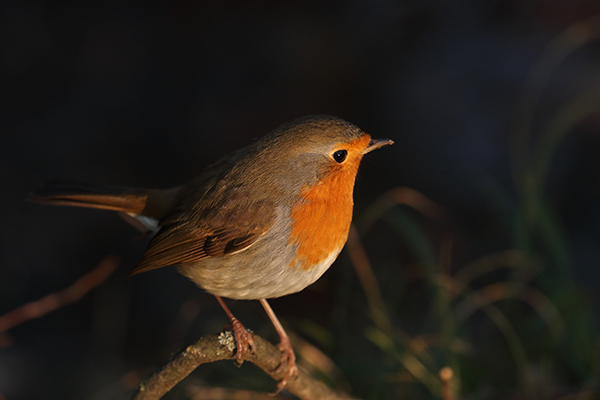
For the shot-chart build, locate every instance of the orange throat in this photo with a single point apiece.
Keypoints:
(321, 219)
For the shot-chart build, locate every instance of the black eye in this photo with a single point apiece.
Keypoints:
(340, 155)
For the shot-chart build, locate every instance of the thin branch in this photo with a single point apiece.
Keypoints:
(447, 377)
(54, 301)
(212, 348)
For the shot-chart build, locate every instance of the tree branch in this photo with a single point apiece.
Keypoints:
(54, 301)
(212, 348)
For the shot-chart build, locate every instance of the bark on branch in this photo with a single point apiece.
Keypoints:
(212, 348)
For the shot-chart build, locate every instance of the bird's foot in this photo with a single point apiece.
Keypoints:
(243, 339)
(288, 359)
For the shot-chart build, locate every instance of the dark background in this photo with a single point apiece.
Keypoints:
(148, 93)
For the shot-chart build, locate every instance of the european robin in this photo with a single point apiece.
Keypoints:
(266, 221)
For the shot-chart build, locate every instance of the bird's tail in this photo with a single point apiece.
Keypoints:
(131, 201)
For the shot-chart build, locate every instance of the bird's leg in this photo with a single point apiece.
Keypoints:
(285, 346)
(243, 338)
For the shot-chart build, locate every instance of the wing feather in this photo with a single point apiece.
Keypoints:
(215, 232)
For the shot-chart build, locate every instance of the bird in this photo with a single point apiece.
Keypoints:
(262, 222)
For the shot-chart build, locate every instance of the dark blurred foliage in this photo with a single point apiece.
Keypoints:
(148, 93)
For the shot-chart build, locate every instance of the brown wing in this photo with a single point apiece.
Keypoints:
(213, 232)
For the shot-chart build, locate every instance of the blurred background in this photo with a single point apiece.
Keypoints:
(477, 232)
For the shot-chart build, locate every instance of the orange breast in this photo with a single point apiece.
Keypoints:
(321, 220)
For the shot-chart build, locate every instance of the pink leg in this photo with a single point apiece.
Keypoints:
(285, 346)
(243, 338)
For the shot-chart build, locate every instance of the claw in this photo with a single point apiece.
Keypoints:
(243, 339)
(288, 359)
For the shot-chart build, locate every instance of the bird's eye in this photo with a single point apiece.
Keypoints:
(340, 155)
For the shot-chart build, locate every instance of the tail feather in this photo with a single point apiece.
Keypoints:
(127, 200)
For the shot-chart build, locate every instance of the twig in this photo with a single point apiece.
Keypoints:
(56, 300)
(218, 393)
(446, 376)
(367, 279)
(212, 348)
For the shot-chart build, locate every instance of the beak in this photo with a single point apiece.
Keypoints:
(375, 144)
